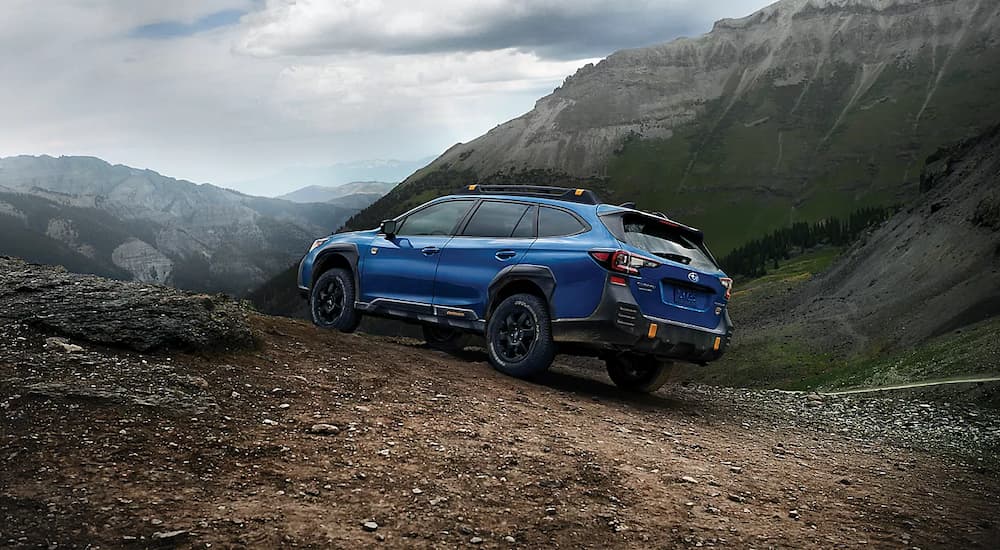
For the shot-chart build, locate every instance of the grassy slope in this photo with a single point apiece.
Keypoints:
(781, 360)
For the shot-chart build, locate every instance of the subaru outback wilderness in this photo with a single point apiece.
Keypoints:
(535, 270)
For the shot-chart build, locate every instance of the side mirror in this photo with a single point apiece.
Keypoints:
(388, 227)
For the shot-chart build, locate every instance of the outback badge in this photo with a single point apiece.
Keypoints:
(693, 277)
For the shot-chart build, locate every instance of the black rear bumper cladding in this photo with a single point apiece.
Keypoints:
(618, 325)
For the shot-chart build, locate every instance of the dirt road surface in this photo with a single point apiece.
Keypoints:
(105, 448)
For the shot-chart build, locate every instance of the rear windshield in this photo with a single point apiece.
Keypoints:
(664, 241)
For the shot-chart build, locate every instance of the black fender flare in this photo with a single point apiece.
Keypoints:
(348, 251)
(540, 275)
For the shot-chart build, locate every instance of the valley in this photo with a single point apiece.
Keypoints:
(131, 224)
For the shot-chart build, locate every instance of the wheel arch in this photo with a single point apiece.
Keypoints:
(337, 255)
(517, 279)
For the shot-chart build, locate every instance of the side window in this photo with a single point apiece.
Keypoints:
(526, 227)
(494, 219)
(555, 223)
(439, 219)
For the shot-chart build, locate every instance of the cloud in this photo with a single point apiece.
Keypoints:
(563, 29)
(194, 90)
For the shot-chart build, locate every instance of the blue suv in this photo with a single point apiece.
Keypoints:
(535, 270)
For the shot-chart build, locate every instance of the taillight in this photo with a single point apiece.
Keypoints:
(622, 261)
(727, 283)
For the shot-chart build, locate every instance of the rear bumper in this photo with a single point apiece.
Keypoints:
(618, 325)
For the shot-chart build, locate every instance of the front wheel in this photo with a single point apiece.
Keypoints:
(638, 373)
(519, 336)
(332, 301)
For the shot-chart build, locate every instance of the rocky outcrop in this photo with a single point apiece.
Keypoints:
(145, 263)
(119, 314)
(7, 209)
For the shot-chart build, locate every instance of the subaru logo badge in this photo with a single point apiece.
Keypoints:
(693, 277)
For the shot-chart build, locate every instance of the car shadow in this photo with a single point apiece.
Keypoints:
(581, 377)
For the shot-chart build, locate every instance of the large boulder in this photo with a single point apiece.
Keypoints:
(139, 316)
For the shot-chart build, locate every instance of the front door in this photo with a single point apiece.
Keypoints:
(402, 267)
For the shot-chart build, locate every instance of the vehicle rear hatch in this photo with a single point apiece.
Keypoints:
(682, 281)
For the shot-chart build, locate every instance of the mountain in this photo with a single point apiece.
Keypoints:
(128, 223)
(802, 110)
(324, 193)
(289, 179)
(918, 298)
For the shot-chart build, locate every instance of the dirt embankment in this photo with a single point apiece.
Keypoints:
(316, 439)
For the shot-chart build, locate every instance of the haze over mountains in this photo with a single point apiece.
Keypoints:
(802, 110)
(128, 223)
(355, 192)
(335, 175)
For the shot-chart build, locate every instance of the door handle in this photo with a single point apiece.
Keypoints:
(430, 250)
(505, 254)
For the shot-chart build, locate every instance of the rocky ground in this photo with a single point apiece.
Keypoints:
(317, 439)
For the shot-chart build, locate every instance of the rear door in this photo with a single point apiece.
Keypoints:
(685, 286)
(402, 268)
(497, 235)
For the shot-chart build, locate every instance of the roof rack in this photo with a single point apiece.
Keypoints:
(584, 196)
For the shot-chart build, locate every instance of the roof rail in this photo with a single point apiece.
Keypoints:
(584, 196)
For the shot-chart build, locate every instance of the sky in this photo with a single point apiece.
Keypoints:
(227, 91)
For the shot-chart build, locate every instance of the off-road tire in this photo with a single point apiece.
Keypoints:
(519, 336)
(638, 373)
(443, 338)
(331, 301)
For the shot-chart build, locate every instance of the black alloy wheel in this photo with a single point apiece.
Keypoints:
(519, 336)
(332, 301)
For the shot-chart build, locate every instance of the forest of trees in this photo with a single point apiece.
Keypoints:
(753, 258)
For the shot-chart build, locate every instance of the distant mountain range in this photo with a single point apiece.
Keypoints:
(128, 223)
(360, 190)
(287, 180)
(803, 110)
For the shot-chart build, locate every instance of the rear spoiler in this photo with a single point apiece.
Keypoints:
(695, 235)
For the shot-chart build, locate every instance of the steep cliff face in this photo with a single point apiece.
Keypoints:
(136, 224)
(804, 109)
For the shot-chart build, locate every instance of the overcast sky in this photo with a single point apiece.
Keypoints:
(228, 90)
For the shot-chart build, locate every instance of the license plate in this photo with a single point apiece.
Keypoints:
(685, 297)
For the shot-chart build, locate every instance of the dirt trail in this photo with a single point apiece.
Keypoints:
(895, 387)
(441, 451)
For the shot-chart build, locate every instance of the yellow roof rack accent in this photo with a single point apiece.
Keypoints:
(578, 192)
(472, 188)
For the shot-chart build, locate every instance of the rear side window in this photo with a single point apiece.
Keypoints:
(495, 219)
(557, 223)
(665, 241)
(439, 219)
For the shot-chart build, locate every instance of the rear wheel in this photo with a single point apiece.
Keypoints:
(638, 373)
(331, 301)
(444, 338)
(519, 338)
